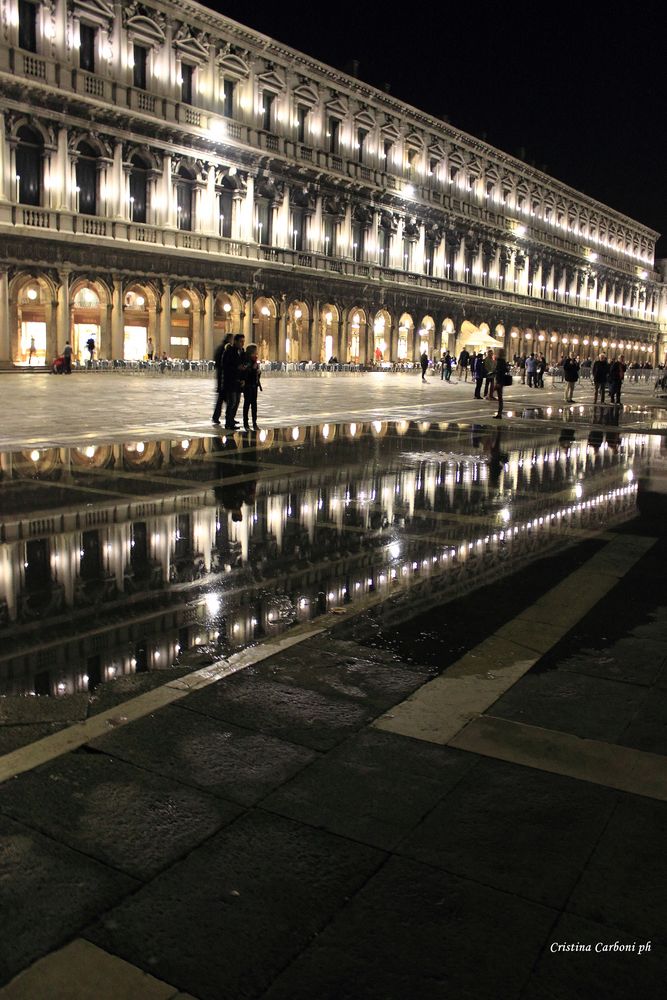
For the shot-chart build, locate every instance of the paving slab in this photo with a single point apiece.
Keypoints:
(583, 975)
(635, 660)
(18, 709)
(515, 829)
(81, 971)
(119, 814)
(373, 788)
(14, 737)
(301, 715)
(592, 707)
(48, 892)
(648, 729)
(415, 931)
(227, 919)
(223, 759)
(366, 679)
(625, 882)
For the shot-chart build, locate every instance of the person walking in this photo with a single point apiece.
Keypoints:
(220, 392)
(531, 370)
(478, 372)
(446, 370)
(539, 374)
(502, 378)
(233, 363)
(464, 361)
(251, 384)
(617, 371)
(600, 376)
(32, 350)
(570, 376)
(423, 361)
(67, 358)
(90, 344)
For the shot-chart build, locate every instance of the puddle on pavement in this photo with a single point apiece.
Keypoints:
(153, 557)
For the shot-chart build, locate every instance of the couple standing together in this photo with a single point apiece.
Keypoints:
(236, 371)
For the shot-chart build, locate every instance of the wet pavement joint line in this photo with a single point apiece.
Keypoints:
(47, 749)
(441, 708)
(624, 768)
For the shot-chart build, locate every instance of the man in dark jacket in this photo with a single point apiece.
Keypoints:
(233, 361)
(220, 392)
(600, 376)
(616, 375)
(464, 359)
(571, 377)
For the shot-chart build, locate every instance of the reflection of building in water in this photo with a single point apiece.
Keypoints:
(227, 544)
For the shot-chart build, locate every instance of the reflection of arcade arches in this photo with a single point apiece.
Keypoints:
(265, 333)
(265, 438)
(142, 454)
(296, 342)
(402, 427)
(353, 430)
(328, 432)
(295, 435)
(185, 449)
(379, 428)
(37, 460)
(92, 456)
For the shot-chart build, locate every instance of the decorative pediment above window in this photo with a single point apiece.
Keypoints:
(271, 80)
(233, 64)
(98, 11)
(191, 42)
(306, 94)
(365, 119)
(334, 205)
(337, 106)
(412, 139)
(144, 23)
(436, 151)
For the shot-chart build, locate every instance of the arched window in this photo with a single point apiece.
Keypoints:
(29, 152)
(138, 189)
(184, 188)
(86, 179)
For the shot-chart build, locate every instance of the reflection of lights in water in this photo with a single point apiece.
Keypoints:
(325, 430)
(185, 444)
(34, 456)
(505, 515)
(578, 490)
(61, 688)
(212, 602)
(156, 654)
(133, 662)
(253, 622)
(377, 426)
(295, 434)
(353, 429)
(629, 475)
(90, 452)
(394, 550)
(262, 436)
(177, 648)
(303, 603)
(236, 629)
(141, 448)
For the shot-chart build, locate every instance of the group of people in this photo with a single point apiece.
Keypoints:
(605, 374)
(237, 373)
(489, 370)
(531, 369)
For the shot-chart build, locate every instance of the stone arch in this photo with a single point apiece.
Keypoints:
(329, 332)
(381, 336)
(185, 329)
(265, 327)
(227, 309)
(427, 336)
(298, 326)
(357, 335)
(139, 304)
(89, 301)
(32, 308)
(406, 334)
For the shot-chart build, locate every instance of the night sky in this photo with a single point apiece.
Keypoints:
(577, 91)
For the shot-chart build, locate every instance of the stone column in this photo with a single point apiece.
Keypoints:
(282, 331)
(248, 315)
(248, 221)
(63, 315)
(208, 322)
(5, 337)
(117, 332)
(164, 321)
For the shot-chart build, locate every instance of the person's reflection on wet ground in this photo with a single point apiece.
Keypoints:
(497, 459)
(595, 439)
(566, 436)
(613, 440)
(605, 414)
(231, 496)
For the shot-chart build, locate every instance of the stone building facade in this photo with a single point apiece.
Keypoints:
(168, 175)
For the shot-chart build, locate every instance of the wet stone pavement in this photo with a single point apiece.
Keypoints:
(302, 828)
